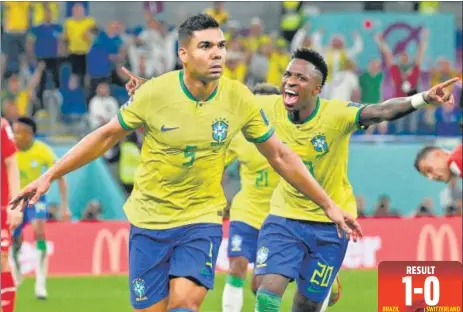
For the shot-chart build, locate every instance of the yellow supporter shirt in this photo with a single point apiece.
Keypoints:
(258, 179)
(16, 16)
(238, 73)
(34, 161)
(276, 67)
(221, 17)
(178, 181)
(75, 31)
(322, 142)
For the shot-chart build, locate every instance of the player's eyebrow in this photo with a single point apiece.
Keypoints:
(222, 42)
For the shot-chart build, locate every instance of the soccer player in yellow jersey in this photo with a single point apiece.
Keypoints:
(248, 210)
(297, 241)
(189, 118)
(33, 157)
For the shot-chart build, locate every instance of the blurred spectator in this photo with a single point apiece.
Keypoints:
(370, 83)
(344, 85)
(70, 5)
(253, 39)
(443, 72)
(78, 34)
(235, 66)
(259, 62)
(73, 95)
(218, 12)
(43, 45)
(383, 208)
(232, 30)
(9, 109)
(149, 55)
(426, 7)
(279, 59)
(304, 39)
(360, 200)
(22, 97)
(38, 12)
(15, 26)
(128, 162)
(425, 209)
(103, 107)
(448, 118)
(93, 211)
(336, 54)
(404, 75)
(105, 56)
(291, 18)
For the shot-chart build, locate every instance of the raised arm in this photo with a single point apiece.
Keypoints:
(398, 107)
(384, 49)
(422, 47)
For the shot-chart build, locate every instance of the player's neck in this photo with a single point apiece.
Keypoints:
(26, 147)
(200, 90)
(306, 114)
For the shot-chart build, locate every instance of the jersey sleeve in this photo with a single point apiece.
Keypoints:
(257, 128)
(8, 146)
(349, 116)
(132, 114)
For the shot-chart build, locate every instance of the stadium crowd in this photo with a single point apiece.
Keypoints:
(68, 75)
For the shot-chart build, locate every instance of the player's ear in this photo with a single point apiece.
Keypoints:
(182, 54)
(317, 90)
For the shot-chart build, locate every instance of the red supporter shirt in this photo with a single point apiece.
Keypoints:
(8, 149)
(456, 162)
(400, 78)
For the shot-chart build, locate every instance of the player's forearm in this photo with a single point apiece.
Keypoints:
(389, 110)
(88, 149)
(290, 167)
(13, 176)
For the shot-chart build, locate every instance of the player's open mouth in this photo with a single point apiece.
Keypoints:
(290, 97)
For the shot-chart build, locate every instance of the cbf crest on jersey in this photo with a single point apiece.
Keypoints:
(219, 131)
(320, 144)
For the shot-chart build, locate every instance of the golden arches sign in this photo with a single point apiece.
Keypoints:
(437, 238)
(114, 244)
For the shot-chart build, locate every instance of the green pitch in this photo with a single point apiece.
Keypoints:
(99, 294)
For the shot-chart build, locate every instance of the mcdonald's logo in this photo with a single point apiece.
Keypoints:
(437, 239)
(114, 244)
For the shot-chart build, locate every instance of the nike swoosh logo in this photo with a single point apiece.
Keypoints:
(165, 129)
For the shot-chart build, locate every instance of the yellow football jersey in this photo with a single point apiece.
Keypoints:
(251, 204)
(33, 161)
(322, 142)
(178, 181)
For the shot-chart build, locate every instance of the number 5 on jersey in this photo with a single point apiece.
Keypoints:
(190, 155)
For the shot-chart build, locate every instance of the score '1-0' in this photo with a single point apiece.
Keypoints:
(430, 291)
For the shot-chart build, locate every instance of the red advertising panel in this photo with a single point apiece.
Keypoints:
(101, 247)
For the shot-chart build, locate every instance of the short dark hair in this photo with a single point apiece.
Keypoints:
(195, 23)
(314, 58)
(422, 153)
(265, 89)
(28, 121)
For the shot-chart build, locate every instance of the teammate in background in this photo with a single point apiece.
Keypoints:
(9, 219)
(436, 163)
(33, 157)
(175, 209)
(297, 241)
(248, 210)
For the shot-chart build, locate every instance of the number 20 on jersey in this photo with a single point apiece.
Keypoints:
(420, 286)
